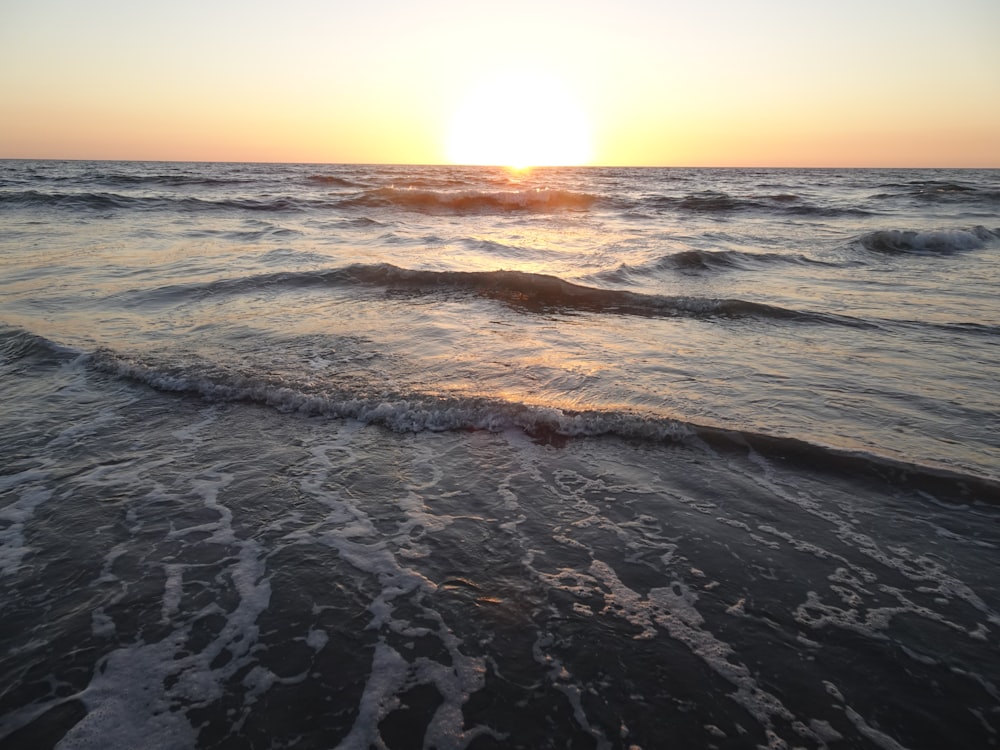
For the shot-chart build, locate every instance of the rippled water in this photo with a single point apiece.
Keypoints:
(318, 456)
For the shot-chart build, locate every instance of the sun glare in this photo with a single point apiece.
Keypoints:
(519, 120)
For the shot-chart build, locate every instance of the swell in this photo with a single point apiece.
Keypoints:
(531, 292)
(20, 346)
(125, 179)
(714, 201)
(420, 412)
(332, 181)
(416, 200)
(963, 327)
(943, 192)
(168, 180)
(90, 201)
(472, 201)
(700, 261)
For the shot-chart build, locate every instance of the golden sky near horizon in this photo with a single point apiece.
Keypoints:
(723, 83)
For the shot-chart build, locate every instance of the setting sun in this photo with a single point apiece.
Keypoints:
(519, 120)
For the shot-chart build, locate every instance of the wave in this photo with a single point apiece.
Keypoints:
(959, 327)
(942, 191)
(133, 179)
(938, 242)
(244, 235)
(424, 201)
(17, 345)
(698, 261)
(90, 201)
(714, 201)
(333, 181)
(532, 292)
(167, 180)
(415, 412)
(538, 200)
(79, 201)
(419, 412)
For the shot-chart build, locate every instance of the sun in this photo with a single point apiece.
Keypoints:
(519, 120)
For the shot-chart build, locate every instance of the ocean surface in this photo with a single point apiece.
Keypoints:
(320, 456)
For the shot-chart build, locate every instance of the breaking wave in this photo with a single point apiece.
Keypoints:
(424, 412)
(418, 412)
(939, 242)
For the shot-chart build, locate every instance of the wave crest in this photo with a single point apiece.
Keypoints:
(938, 242)
(701, 261)
(427, 412)
(532, 292)
(16, 344)
(419, 412)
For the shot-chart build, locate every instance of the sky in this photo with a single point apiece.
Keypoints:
(619, 82)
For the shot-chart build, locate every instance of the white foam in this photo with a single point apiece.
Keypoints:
(824, 731)
(673, 609)
(562, 680)
(349, 531)
(17, 514)
(172, 591)
(387, 678)
(128, 706)
(317, 639)
(879, 738)
(190, 433)
(930, 575)
(102, 626)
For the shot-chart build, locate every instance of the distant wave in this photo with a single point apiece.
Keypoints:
(939, 242)
(941, 191)
(78, 201)
(528, 291)
(425, 201)
(244, 235)
(147, 179)
(698, 261)
(89, 201)
(333, 181)
(168, 180)
(712, 201)
(473, 201)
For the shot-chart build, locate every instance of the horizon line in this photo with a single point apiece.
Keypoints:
(483, 166)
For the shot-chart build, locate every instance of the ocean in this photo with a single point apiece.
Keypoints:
(346, 456)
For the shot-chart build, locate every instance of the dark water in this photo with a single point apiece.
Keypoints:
(347, 456)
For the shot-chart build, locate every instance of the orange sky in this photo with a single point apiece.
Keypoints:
(771, 83)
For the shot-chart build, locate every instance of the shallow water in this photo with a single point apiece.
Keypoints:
(319, 456)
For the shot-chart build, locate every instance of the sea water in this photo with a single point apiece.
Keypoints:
(383, 456)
